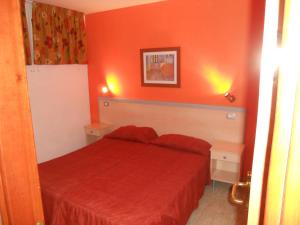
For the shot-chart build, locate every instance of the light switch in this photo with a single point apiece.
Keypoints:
(231, 116)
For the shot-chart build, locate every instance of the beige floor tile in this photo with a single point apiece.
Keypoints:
(215, 208)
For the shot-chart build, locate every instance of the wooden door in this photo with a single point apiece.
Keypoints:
(20, 201)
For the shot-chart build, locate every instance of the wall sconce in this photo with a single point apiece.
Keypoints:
(229, 97)
(104, 90)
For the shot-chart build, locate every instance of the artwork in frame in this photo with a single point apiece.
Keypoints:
(160, 67)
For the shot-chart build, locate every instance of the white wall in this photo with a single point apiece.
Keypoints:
(60, 108)
(59, 104)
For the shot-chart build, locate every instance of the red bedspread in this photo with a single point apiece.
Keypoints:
(115, 182)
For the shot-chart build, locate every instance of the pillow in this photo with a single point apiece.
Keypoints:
(133, 133)
(183, 142)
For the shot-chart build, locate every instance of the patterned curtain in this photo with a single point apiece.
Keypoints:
(25, 34)
(58, 34)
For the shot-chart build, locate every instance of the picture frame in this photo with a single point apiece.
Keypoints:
(160, 67)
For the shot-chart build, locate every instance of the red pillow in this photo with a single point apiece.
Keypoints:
(133, 133)
(183, 142)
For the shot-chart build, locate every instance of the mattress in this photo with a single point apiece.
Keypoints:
(117, 182)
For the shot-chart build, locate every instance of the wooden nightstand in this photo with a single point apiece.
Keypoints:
(226, 161)
(95, 131)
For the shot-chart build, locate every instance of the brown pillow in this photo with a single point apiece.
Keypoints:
(183, 142)
(133, 133)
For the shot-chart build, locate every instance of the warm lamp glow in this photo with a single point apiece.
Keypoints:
(113, 84)
(104, 90)
(219, 82)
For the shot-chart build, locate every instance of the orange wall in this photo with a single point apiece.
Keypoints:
(220, 44)
(212, 36)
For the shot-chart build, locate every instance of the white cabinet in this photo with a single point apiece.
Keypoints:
(226, 161)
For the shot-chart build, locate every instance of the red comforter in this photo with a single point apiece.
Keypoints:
(115, 182)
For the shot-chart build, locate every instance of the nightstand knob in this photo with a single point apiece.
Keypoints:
(92, 131)
(224, 157)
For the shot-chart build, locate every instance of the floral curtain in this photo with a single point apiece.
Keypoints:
(25, 34)
(59, 35)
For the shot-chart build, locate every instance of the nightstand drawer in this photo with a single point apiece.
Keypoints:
(92, 131)
(96, 131)
(225, 161)
(225, 156)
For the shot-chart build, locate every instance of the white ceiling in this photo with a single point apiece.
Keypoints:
(91, 6)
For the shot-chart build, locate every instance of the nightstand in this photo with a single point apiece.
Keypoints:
(95, 131)
(226, 161)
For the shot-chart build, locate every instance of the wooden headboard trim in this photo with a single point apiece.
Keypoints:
(177, 104)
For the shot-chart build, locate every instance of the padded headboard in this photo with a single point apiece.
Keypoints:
(203, 121)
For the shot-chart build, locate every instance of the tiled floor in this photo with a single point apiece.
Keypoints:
(215, 209)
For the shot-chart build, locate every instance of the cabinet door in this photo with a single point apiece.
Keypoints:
(20, 202)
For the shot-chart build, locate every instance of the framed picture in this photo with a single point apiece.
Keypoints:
(160, 67)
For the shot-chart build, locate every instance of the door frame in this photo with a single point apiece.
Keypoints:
(268, 69)
(19, 182)
(281, 185)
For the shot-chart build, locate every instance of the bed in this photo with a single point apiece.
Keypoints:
(124, 182)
